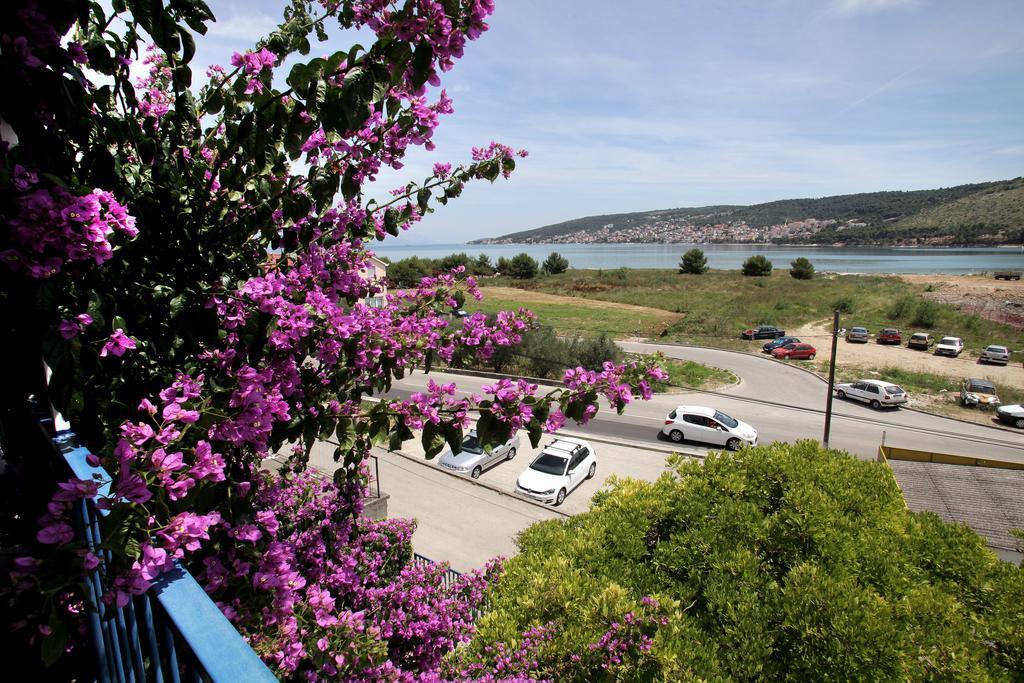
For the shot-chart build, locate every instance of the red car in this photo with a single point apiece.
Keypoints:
(889, 335)
(795, 351)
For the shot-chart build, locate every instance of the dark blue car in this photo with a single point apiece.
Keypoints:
(776, 343)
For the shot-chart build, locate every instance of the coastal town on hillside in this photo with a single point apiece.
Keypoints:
(660, 230)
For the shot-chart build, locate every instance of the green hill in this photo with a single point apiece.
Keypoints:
(981, 213)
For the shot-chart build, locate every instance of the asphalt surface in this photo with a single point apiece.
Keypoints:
(784, 403)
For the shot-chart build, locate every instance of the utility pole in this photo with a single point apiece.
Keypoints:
(831, 377)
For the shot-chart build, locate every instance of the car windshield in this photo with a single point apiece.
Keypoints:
(472, 445)
(997, 349)
(949, 341)
(981, 387)
(893, 389)
(889, 330)
(921, 337)
(549, 464)
(859, 330)
(725, 419)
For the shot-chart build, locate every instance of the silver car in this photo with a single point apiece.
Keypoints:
(995, 354)
(858, 334)
(473, 459)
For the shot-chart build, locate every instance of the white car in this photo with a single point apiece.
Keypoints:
(562, 466)
(874, 392)
(1012, 415)
(995, 354)
(700, 423)
(474, 459)
(949, 346)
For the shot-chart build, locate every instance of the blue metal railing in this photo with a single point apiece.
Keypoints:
(450, 576)
(173, 632)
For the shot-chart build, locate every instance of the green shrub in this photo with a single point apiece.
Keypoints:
(693, 262)
(902, 308)
(455, 260)
(502, 265)
(782, 562)
(926, 314)
(801, 269)
(407, 272)
(555, 264)
(522, 267)
(482, 265)
(757, 266)
(844, 304)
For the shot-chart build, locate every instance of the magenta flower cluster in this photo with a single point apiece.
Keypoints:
(53, 227)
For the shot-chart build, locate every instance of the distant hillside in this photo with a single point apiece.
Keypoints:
(983, 213)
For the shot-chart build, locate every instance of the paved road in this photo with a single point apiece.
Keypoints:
(785, 404)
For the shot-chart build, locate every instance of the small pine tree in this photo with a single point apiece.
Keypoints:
(694, 262)
(502, 265)
(482, 265)
(523, 267)
(757, 266)
(801, 269)
(555, 263)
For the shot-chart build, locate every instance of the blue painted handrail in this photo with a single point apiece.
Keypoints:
(173, 632)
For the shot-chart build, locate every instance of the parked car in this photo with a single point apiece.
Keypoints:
(1012, 414)
(776, 343)
(995, 354)
(799, 351)
(562, 466)
(874, 392)
(889, 335)
(763, 332)
(921, 340)
(949, 346)
(707, 425)
(978, 393)
(858, 334)
(474, 460)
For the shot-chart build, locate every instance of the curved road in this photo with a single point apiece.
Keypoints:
(784, 403)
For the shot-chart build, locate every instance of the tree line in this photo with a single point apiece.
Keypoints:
(409, 271)
(694, 262)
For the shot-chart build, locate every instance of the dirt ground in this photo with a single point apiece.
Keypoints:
(982, 295)
(872, 355)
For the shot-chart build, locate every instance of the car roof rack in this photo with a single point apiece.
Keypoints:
(565, 446)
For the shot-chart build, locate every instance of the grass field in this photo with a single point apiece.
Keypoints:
(713, 308)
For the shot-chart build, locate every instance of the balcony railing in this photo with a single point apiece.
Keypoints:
(173, 632)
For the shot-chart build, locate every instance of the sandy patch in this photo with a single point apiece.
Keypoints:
(527, 297)
(980, 295)
(872, 355)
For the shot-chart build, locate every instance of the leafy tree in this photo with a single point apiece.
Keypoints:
(757, 266)
(693, 262)
(801, 269)
(522, 267)
(781, 562)
(409, 271)
(555, 264)
(451, 261)
(503, 265)
(844, 304)
(482, 265)
(190, 261)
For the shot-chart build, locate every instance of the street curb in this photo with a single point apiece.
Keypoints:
(825, 381)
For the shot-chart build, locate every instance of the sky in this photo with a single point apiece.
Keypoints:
(648, 104)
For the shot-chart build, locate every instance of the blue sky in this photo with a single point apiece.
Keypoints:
(631, 106)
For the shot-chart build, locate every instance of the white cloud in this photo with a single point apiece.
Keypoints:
(861, 6)
(245, 26)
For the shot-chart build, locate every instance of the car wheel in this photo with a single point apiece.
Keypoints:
(810, 357)
(1019, 423)
(476, 472)
(511, 454)
(875, 404)
(841, 394)
(676, 435)
(733, 444)
(592, 471)
(560, 498)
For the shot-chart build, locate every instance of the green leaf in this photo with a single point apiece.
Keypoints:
(433, 440)
(118, 323)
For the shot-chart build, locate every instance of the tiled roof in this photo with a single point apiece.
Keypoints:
(988, 499)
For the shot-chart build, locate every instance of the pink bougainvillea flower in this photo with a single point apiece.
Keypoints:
(118, 343)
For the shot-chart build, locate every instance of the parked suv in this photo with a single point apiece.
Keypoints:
(776, 343)
(995, 354)
(949, 346)
(889, 335)
(858, 334)
(763, 332)
(700, 423)
(920, 340)
(473, 459)
(874, 392)
(978, 393)
(563, 465)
